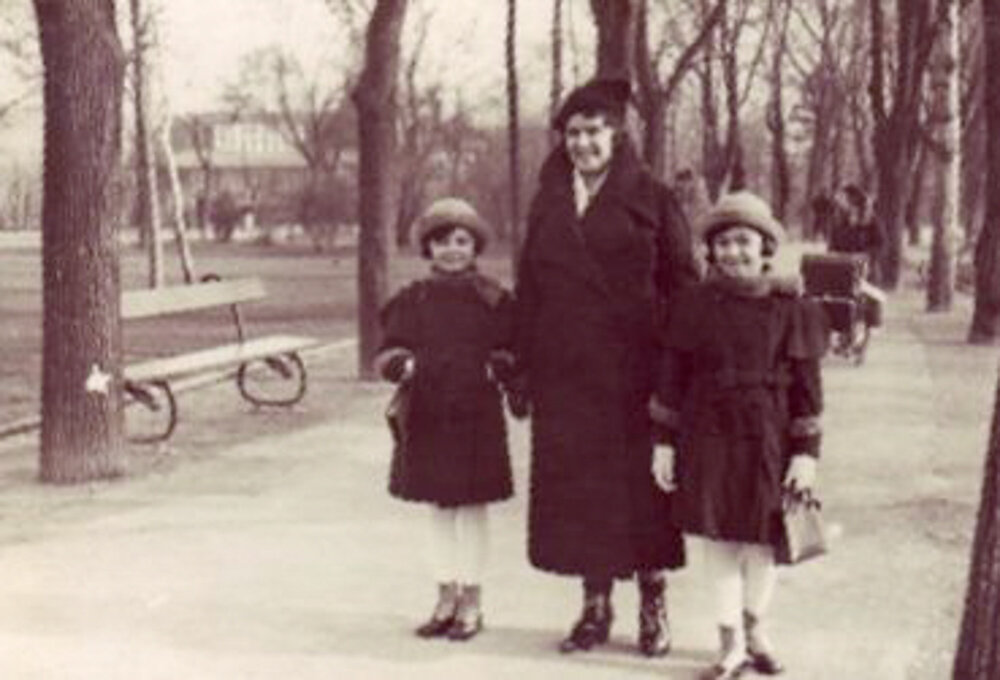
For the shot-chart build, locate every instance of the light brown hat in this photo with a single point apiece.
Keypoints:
(452, 212)
(743, 208)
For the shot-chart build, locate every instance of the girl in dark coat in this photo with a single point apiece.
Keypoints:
(740, 396)
(447, 338)
(606, 248)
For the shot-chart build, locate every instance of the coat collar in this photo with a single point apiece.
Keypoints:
(757, 286)
(627, 181)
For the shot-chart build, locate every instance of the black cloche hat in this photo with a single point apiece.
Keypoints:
(609, 95)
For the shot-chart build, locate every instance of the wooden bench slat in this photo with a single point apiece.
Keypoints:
(141, 304)
(217, 357)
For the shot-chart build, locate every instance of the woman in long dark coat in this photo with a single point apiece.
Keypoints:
(740, 393)
(607, 246)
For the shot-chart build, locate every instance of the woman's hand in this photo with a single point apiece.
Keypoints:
(663, 467)
(801, 475)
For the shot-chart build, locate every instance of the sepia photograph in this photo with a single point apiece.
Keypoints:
(499, 339)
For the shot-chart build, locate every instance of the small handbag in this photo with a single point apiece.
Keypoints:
(397, 415)
(803, 535)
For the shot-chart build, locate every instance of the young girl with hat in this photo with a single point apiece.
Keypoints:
(446, 343)
(739, 398)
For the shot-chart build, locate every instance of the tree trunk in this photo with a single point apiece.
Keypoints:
(712, 159)
(556, 87)
(375, 98)
(895, 133)
(147, 197)
(915, 197)
(514, 133)
(945, 104)
(734, 138)
(81, 437)
(780, 167)
(985, 328)
(615, 23)
(177, 200)
(977, 656)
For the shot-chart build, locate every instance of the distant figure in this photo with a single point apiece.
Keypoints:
(856, 230)
(446, 343)
(825, 213)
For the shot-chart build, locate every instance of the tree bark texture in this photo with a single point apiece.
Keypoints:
(177, 200)
(985, 326)
(781, 174)
(615, 22)
(977, 656)
(896, 129)
(513, 132)
(81, 436)
(147, 193)
(947, 131)
(375, 99)
(556, 85)
(736, 170)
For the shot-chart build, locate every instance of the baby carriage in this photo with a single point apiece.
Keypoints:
(853, 306)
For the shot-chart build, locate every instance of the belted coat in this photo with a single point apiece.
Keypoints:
(741, 393)
(591, 293)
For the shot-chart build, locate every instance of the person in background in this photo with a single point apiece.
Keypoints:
(607, 248)
(447, 342)
(856, 230)
(738, 402)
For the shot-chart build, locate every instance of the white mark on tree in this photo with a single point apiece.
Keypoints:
(98, 381)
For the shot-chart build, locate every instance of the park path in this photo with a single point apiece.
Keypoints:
(284, 558)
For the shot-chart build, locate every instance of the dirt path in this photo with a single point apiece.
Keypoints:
(281, 556)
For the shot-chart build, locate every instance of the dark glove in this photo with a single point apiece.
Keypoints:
(502, 366)
(398, 368)
(518, 403)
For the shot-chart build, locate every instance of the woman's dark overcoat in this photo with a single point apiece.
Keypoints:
(741, 385)
(454, 448)
(590, 293)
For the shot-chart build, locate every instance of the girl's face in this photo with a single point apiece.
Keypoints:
(590, 142)
(454, 250)
(739, 252)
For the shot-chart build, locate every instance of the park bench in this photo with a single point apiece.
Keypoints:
(152, 383)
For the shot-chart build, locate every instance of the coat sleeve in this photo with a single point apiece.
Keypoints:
(399, 318)
(675, 266)
(806, 345)
(526, 295)
(674, 369)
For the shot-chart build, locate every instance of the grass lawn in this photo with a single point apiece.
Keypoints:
(309, 293)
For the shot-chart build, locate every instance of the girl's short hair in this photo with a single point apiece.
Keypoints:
(769, 244)
(443, 231)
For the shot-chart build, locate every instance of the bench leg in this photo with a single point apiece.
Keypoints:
(154, 396)
(288, 367)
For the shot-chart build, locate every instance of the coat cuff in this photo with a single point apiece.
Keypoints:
(388, 359)
(805, 434)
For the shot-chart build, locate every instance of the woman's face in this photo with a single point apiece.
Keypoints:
(453, 250)
(590, 142)
(739, 252)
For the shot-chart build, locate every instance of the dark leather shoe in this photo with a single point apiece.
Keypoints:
(765, 663)
(465, 628)
(468, 620)
(654, 629)
(435, 627)
(593, 627)
(444, 612)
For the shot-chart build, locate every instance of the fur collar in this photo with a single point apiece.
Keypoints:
(756, 286)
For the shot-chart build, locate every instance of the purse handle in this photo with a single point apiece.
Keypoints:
(790, 496)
